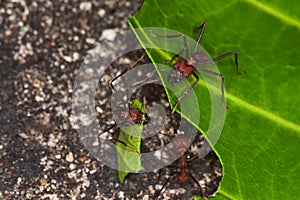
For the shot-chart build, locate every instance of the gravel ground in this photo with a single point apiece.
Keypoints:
(42, 45)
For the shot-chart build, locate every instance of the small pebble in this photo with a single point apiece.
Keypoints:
(43, 181)
(19, 180)
(23, 135)
(108, 34)
(70, 157)
(72, 166)
(101, 12)
(86, 6)
(99, 109)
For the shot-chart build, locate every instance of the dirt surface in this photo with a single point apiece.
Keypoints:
(42, 45)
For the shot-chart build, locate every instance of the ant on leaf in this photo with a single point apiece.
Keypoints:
(185, 67)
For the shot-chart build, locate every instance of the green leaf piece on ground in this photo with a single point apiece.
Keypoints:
(128, 156)
(259, 146)
(129, 144)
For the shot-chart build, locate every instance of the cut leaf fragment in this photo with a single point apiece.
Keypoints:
(129, 159)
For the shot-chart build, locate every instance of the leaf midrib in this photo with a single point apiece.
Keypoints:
(265, 113)
(268, 9)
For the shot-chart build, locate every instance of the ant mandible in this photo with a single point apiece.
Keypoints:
(185, 67)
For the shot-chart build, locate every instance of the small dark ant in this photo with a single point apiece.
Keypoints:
(133, 114)
(182, 171)
(185, 67)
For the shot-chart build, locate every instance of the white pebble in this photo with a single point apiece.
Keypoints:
(101, 12)
(99, 109)
(76, 38)
(67, 58)
(19, 180)
(76, 56)
(108, 34)
(23, 135)
(157, 154)
(85, 6)
(39, 99)
(72, 166)
(121, 194)
(70, 157)
(90, 40)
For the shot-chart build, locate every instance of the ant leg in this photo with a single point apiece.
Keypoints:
(186, 50)
(222, 84)
(226, 55)
(109, 128)
(186, 92)
(164, 36)
(174, 36)
(202, 27)
(192, 158)
(126, 70)
(145, 82)
(194, 179)
(156, 195)
(116, 139)
(174, 57)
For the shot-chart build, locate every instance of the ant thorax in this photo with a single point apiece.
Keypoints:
(181, 69)
(181, 143)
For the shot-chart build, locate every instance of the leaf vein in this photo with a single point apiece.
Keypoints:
(276, 13)
(265, 113)
(237, 177)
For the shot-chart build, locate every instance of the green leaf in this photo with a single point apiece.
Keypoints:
(128, 156)
(128, 144)
(259, 146)
(136, 103)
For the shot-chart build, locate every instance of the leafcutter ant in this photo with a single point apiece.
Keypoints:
(185, 67)
(133, 114)
(182, 167)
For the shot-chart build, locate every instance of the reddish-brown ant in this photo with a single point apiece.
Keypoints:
(131, 115)
(185, 67)
(182, 171)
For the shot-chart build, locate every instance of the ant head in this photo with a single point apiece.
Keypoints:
(175, 76)
(138, 117)
(181, 142)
